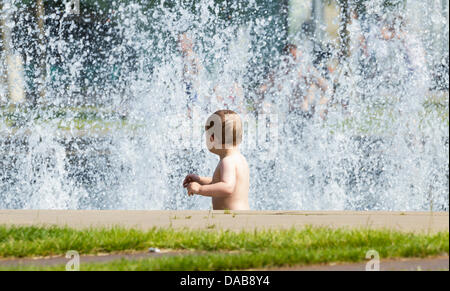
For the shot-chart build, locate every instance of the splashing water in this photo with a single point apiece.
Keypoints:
(355, 122)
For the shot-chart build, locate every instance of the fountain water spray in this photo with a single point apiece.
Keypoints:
(117, 121)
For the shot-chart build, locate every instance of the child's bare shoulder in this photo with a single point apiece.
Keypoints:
(228, 161)
(237, 160)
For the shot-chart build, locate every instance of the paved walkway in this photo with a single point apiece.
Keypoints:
(423, 222)
(102, 258)
(427, 264)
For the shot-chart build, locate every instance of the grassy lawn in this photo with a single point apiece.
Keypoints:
(377, 119)
(225, 250)
(66, 118)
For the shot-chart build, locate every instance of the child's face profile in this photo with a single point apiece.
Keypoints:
(210, 141)
(211, 128)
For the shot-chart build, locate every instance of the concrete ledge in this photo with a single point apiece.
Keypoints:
(419, 222)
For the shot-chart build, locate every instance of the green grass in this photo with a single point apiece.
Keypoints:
(377, 119)
(251, 249)
(86, 118)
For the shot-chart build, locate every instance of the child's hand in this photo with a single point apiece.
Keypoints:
(193, 188)
(190, 178)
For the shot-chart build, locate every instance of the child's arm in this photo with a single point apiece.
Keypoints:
(205, 180)
(195, 178)
(223, 188)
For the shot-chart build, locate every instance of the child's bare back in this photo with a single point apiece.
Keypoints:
(230, 183)
(234, 169)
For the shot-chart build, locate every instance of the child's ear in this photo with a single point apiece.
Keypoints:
(211, 138)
